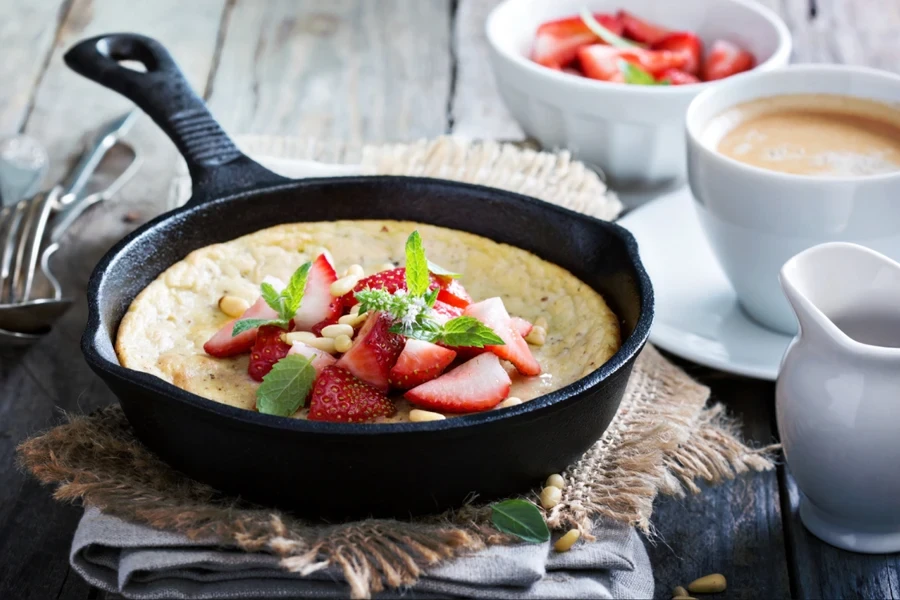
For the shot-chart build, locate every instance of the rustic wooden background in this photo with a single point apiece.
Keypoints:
(364, 70)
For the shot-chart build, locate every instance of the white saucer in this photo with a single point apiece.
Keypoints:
(697, 313)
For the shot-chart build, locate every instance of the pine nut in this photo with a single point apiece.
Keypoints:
(233, 306)
(344, 285)
(355, 309)
(511, 401)
(421, 416)
(388, 266)
(556, 480)
(550, 497)
(537, 336)
(679, 591)
(564, 543)
(332, 331)
(342, 343)
(322, 343)
(354, 270)
(353, 319)
(299, 336)
(709, 584)
(542, 323)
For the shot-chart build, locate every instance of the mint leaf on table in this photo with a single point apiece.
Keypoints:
(417, 279)
(285, 388)
(636, 75)
(603, 33)
(521, 519)
(469, 331)
(242, 325)
(442, 272)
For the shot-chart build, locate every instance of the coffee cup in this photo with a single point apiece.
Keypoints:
(757, 218)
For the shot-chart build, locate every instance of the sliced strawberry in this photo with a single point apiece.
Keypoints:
(419, 362)
(223, 344)
(452, 292)
(600, 61)
(678, 77)
(374, 351)
(479, 384)
(557, 42)
(443, 312)
(639, 30)
(492, 313)
(268, 350)
(340, 397)
(318, 304)
(683, 42)
(521, 325)
(319, 359)
(726, 59)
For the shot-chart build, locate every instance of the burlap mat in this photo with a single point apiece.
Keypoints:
(662, 440)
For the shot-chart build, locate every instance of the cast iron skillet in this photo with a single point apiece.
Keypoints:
(327, 469)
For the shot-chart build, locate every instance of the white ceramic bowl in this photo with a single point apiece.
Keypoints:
(634, 133)
(756, 219)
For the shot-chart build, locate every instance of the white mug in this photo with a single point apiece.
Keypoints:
(757, 219)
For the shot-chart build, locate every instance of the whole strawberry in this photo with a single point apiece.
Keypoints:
(339, 397)
(268, 350)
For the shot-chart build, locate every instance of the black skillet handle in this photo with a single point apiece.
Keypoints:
(216, 165)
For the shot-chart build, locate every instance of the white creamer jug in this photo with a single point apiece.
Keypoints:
(838, 395)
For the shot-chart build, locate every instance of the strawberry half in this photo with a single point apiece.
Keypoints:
(479, 384)
(688, 44)
(223, 344)
(451, 291)
(319, 359)
(374, 351)
(268, 350)
(492, 313)
(600, 61)
(339, 397)
(521, 325)
(639, 30)
(726, 59)
(318, 305)
(557, 42)
(443, 312)
(678, 77)
(419, 362)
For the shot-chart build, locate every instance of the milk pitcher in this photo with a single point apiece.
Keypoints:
(838, 395)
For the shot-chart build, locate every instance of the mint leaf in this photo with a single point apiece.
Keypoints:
(603, 33)
(635, 74)
(292, 294)
(242, 325)
(441, 271)
(286, 386)
(417, 280)
(271, 296)
(431, 297)
(469, 331)
(521, 519)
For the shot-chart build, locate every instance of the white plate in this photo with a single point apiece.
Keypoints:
(697, 314)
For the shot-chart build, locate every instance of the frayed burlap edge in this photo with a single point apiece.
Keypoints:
(661, 440)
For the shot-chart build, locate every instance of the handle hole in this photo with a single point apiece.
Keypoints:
(133, 65)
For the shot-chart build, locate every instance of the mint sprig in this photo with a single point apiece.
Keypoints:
(521, 519)
(285, 388)
(284, 303)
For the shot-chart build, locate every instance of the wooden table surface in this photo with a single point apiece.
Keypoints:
(361, 70)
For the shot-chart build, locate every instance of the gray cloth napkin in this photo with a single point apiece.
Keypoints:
(143, 563)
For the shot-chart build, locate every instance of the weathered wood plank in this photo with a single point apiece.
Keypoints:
(823, 571)
(735, 528)
(476, 109)
(35, 384)
(27, 32)
(358, 71)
